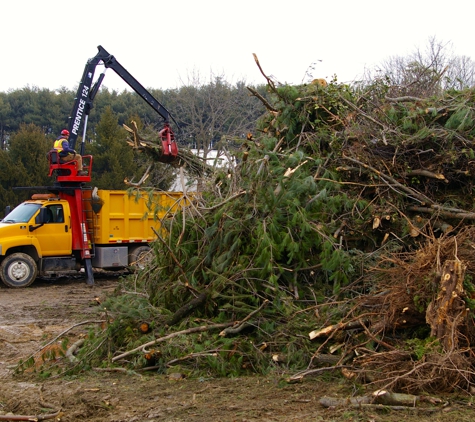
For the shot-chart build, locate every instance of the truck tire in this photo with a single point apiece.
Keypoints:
(140, 256)
(18, 270)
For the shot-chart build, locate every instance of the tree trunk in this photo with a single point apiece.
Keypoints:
(448, 311)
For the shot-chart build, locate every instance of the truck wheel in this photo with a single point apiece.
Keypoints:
(18, 270)
(140, 257)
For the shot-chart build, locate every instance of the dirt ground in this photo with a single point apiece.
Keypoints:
(31, 317)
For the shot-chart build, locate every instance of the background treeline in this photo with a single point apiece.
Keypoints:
(211, 115)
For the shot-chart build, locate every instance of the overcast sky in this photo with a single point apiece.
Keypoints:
(46, 43)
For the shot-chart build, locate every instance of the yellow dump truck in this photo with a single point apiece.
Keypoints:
(72, 229)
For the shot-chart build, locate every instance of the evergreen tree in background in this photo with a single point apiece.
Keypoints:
(24, 164)
(9, 176)
(28, 152)
(113, 159)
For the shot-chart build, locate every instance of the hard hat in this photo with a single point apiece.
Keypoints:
(65, 132)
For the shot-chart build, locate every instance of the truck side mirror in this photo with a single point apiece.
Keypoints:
(44, 216)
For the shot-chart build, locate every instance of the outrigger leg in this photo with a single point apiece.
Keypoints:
(89, 273)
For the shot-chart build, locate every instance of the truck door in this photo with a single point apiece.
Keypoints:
(54, 237)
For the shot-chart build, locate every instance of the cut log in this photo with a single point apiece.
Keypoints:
(353, 401)
(394, 399)
(359, 403)
(324, 332)
(448, 311)
(9, 417)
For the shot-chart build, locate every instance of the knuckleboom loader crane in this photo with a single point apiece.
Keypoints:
(87, 92)
(74, 226)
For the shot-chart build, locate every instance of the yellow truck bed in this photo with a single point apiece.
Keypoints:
(127, 218)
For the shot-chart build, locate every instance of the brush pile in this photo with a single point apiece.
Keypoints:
(341, 239)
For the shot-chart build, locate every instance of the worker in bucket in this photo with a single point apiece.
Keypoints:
(66, 154)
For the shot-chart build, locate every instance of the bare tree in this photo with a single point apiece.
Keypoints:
(461, 73)
(426, 72)
(212, 114)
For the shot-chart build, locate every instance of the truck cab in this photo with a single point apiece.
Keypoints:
(25, 239)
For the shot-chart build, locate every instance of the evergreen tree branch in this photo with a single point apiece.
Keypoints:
(214, 207)
(192, 330)
(172, 255)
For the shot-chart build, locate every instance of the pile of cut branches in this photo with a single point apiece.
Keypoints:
(340, 239)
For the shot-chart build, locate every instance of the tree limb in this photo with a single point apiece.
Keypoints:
(408, 191)
(239, 325)
(30, 418)
(187, 309)
(262, 100)
(403, 99)
(172, 335)
(172, 255)
(462, 215)
(62, 333)
(427, 173)
(142, 179)
(269, 80)
(299, 375)
(237, 195)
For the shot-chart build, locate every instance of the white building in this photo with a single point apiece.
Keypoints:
(212, 159)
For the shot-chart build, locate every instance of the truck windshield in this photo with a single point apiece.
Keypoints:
(22, 213)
